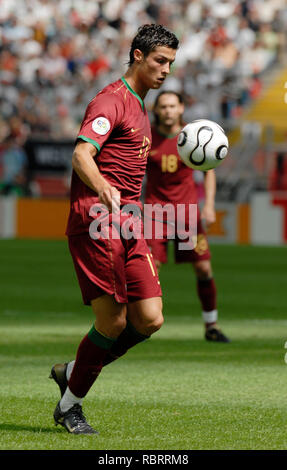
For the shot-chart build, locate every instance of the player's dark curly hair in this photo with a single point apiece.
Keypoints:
(149, 36)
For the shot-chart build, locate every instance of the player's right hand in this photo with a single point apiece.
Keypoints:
(110, 197)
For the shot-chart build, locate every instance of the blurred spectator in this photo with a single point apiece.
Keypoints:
(278, 176)
(55, 55)
(14, 168)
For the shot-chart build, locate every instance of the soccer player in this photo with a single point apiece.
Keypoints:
(116, 274)
(171, 181)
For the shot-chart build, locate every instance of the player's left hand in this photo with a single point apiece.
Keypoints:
(208, 215)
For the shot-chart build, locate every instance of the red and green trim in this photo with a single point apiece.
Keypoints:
(99, 339)
(91, 141)
(133, 92)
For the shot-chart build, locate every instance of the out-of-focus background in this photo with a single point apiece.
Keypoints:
(176, 391)
(231, 67)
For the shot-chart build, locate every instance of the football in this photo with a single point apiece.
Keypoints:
(202, 144)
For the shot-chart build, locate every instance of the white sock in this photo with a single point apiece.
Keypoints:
(68, 400)
(210, 317)
(69, 369)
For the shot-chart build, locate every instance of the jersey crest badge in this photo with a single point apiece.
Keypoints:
(101, 125)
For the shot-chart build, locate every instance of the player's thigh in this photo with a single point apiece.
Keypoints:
(146, 315)
(110, 315)
(143, 288)
(99, 264)
(141, 275)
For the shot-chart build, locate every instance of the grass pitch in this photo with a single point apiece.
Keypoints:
(175, 391)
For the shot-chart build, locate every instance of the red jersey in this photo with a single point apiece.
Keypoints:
(169, 180)
(117, 124)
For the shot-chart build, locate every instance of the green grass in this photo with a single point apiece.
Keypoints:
(175, 391)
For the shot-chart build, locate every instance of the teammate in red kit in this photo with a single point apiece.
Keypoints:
(169, 180)
(116, 274)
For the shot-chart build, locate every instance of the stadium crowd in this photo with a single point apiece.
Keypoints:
(55, 55)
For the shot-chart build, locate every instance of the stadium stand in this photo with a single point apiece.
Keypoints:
(55, 55)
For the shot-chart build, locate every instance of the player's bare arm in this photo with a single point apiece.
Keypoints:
(85, 166)
(208, 211)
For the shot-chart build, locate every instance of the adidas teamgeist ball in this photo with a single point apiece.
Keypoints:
(202, 144)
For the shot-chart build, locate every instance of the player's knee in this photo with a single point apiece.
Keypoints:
(118, 325)
(113, 329)
(112, 323)
(203, 275)
(158, 322)
(203, 271)
(146, 315)
(155, 323)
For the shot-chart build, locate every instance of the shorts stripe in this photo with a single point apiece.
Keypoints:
(150, 263)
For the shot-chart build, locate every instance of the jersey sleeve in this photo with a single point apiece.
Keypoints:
(103, 114)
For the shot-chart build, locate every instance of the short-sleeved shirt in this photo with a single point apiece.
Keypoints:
(169, 180)
(117, 124)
